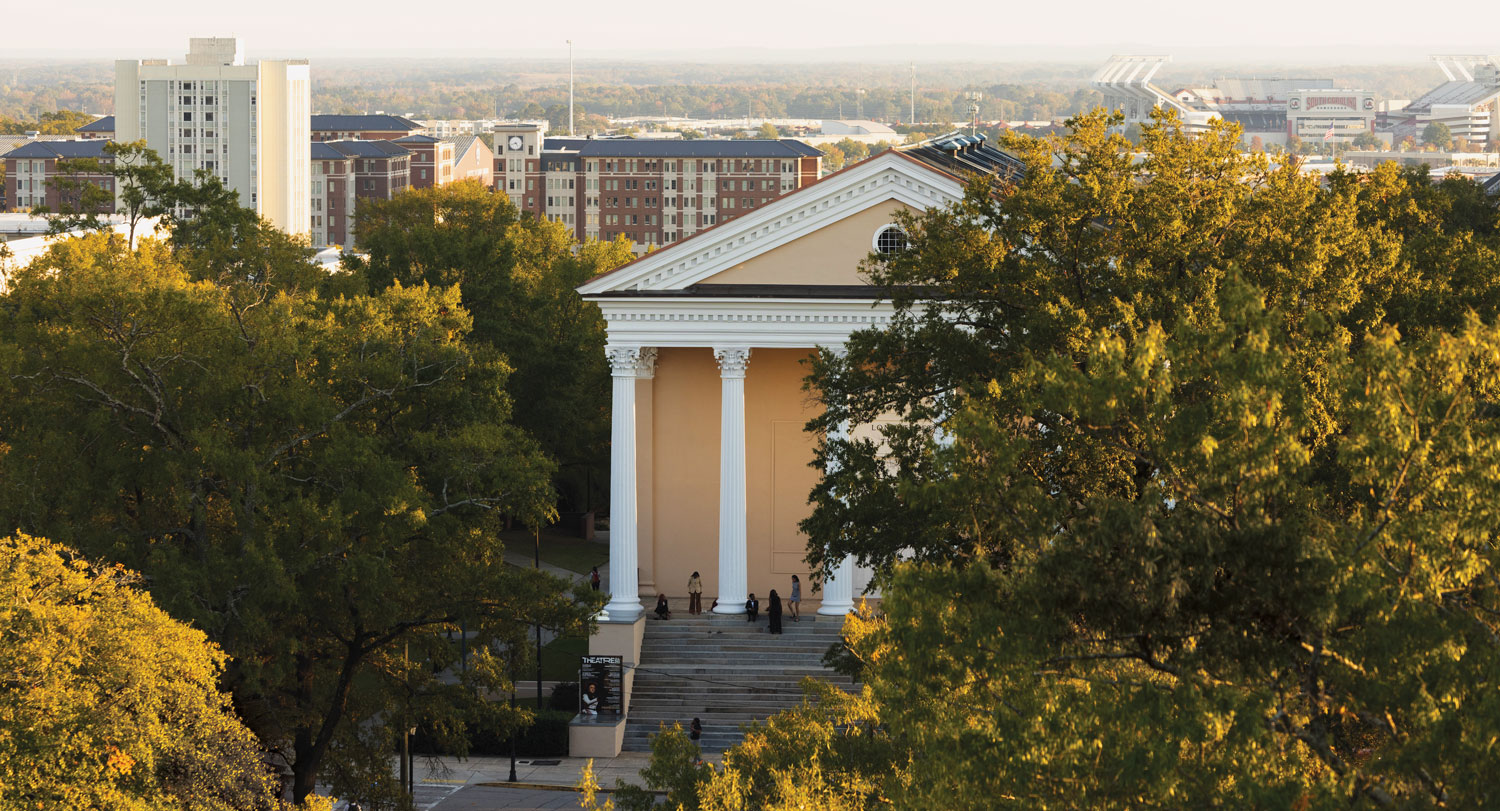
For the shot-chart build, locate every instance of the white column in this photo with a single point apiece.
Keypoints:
(733, 563)
(838, 581)
(627, 363)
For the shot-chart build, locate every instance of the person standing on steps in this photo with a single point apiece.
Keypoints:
(794, 602)
(695, 594)
(663, 610)
(752, 608)
(594, 578)
(773, 613)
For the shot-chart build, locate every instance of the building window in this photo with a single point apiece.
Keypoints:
(890, 240)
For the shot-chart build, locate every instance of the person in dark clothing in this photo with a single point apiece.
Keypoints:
(594, 578)
(663, 611)
(752, 609)
(773, 613)
(695, 730)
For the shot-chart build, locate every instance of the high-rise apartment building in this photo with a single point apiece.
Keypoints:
(246, 124)
(653, 191)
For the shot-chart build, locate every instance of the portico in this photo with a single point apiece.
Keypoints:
(707, 342)
(708, 339)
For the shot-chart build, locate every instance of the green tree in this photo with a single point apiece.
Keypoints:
(144, 188)
(517, 276)
(1438, 135)
(768, 130)
(1368, 140)
(317, 482)
(1209, 519)
(108, 702)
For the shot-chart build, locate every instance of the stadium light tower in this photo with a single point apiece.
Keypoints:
(570, 88)
(913, 119)
(973, 98)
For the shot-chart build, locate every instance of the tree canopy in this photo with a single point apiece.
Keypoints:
(517, 276)
(106, 701)
(316, 480)
(1190, 498)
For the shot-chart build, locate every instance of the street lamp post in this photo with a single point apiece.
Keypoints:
(538, 564)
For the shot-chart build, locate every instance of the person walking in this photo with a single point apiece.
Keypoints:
(794, 602)
(594, 578)
(695, 594)
(752, 608)
(773, 613)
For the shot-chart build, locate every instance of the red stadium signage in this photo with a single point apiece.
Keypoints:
(1319, 102)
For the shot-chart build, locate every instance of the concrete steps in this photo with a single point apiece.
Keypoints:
(726, 672)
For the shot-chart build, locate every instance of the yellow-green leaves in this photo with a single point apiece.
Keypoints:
(106, 702)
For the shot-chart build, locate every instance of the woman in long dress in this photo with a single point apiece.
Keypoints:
(773, 612)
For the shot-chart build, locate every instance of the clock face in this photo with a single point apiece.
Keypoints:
(515, 142)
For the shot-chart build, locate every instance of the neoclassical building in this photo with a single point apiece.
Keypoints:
(708, 340)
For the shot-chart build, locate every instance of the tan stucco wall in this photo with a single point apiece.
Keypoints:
(830, 255)
(684, 474)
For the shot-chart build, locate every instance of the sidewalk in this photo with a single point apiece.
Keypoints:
(535, 771)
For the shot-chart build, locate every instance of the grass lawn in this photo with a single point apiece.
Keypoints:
(573, 554)
(560, 658)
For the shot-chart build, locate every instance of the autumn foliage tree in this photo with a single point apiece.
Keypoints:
(1192, 501)
(315, 480)
(107, 702)
(516, 276)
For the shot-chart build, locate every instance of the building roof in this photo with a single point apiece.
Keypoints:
(462, 144)
(1453, 93)
(418, 139)
(962, 155)
(90, 148)
(103, 124)
(662, 148)
(321, 151)
(1492, 185)
(369, 149)
(379, 122)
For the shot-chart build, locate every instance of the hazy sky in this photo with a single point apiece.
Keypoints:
(1319, 31)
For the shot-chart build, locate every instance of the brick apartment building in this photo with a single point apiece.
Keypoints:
(377, 127)
(431, 160)
(29, 168)
(347, 172)
(653, 191)
(332, 206)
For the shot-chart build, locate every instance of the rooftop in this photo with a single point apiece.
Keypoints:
(378, 122)
(961, 155)
(91, 148)
(369, 149)
(658, 148)
(102, 124)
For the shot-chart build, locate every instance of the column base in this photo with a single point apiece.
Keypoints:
(730, 608)
(835, 609)
(622, 611)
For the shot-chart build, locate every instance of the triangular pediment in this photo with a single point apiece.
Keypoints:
(815, 236)
(831, 255)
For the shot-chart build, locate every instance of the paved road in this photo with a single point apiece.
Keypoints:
(487, 798)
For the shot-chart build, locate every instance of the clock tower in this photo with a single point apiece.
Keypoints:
(518, 152)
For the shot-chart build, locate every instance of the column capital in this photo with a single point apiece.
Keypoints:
(632, 361)
(733, 360)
